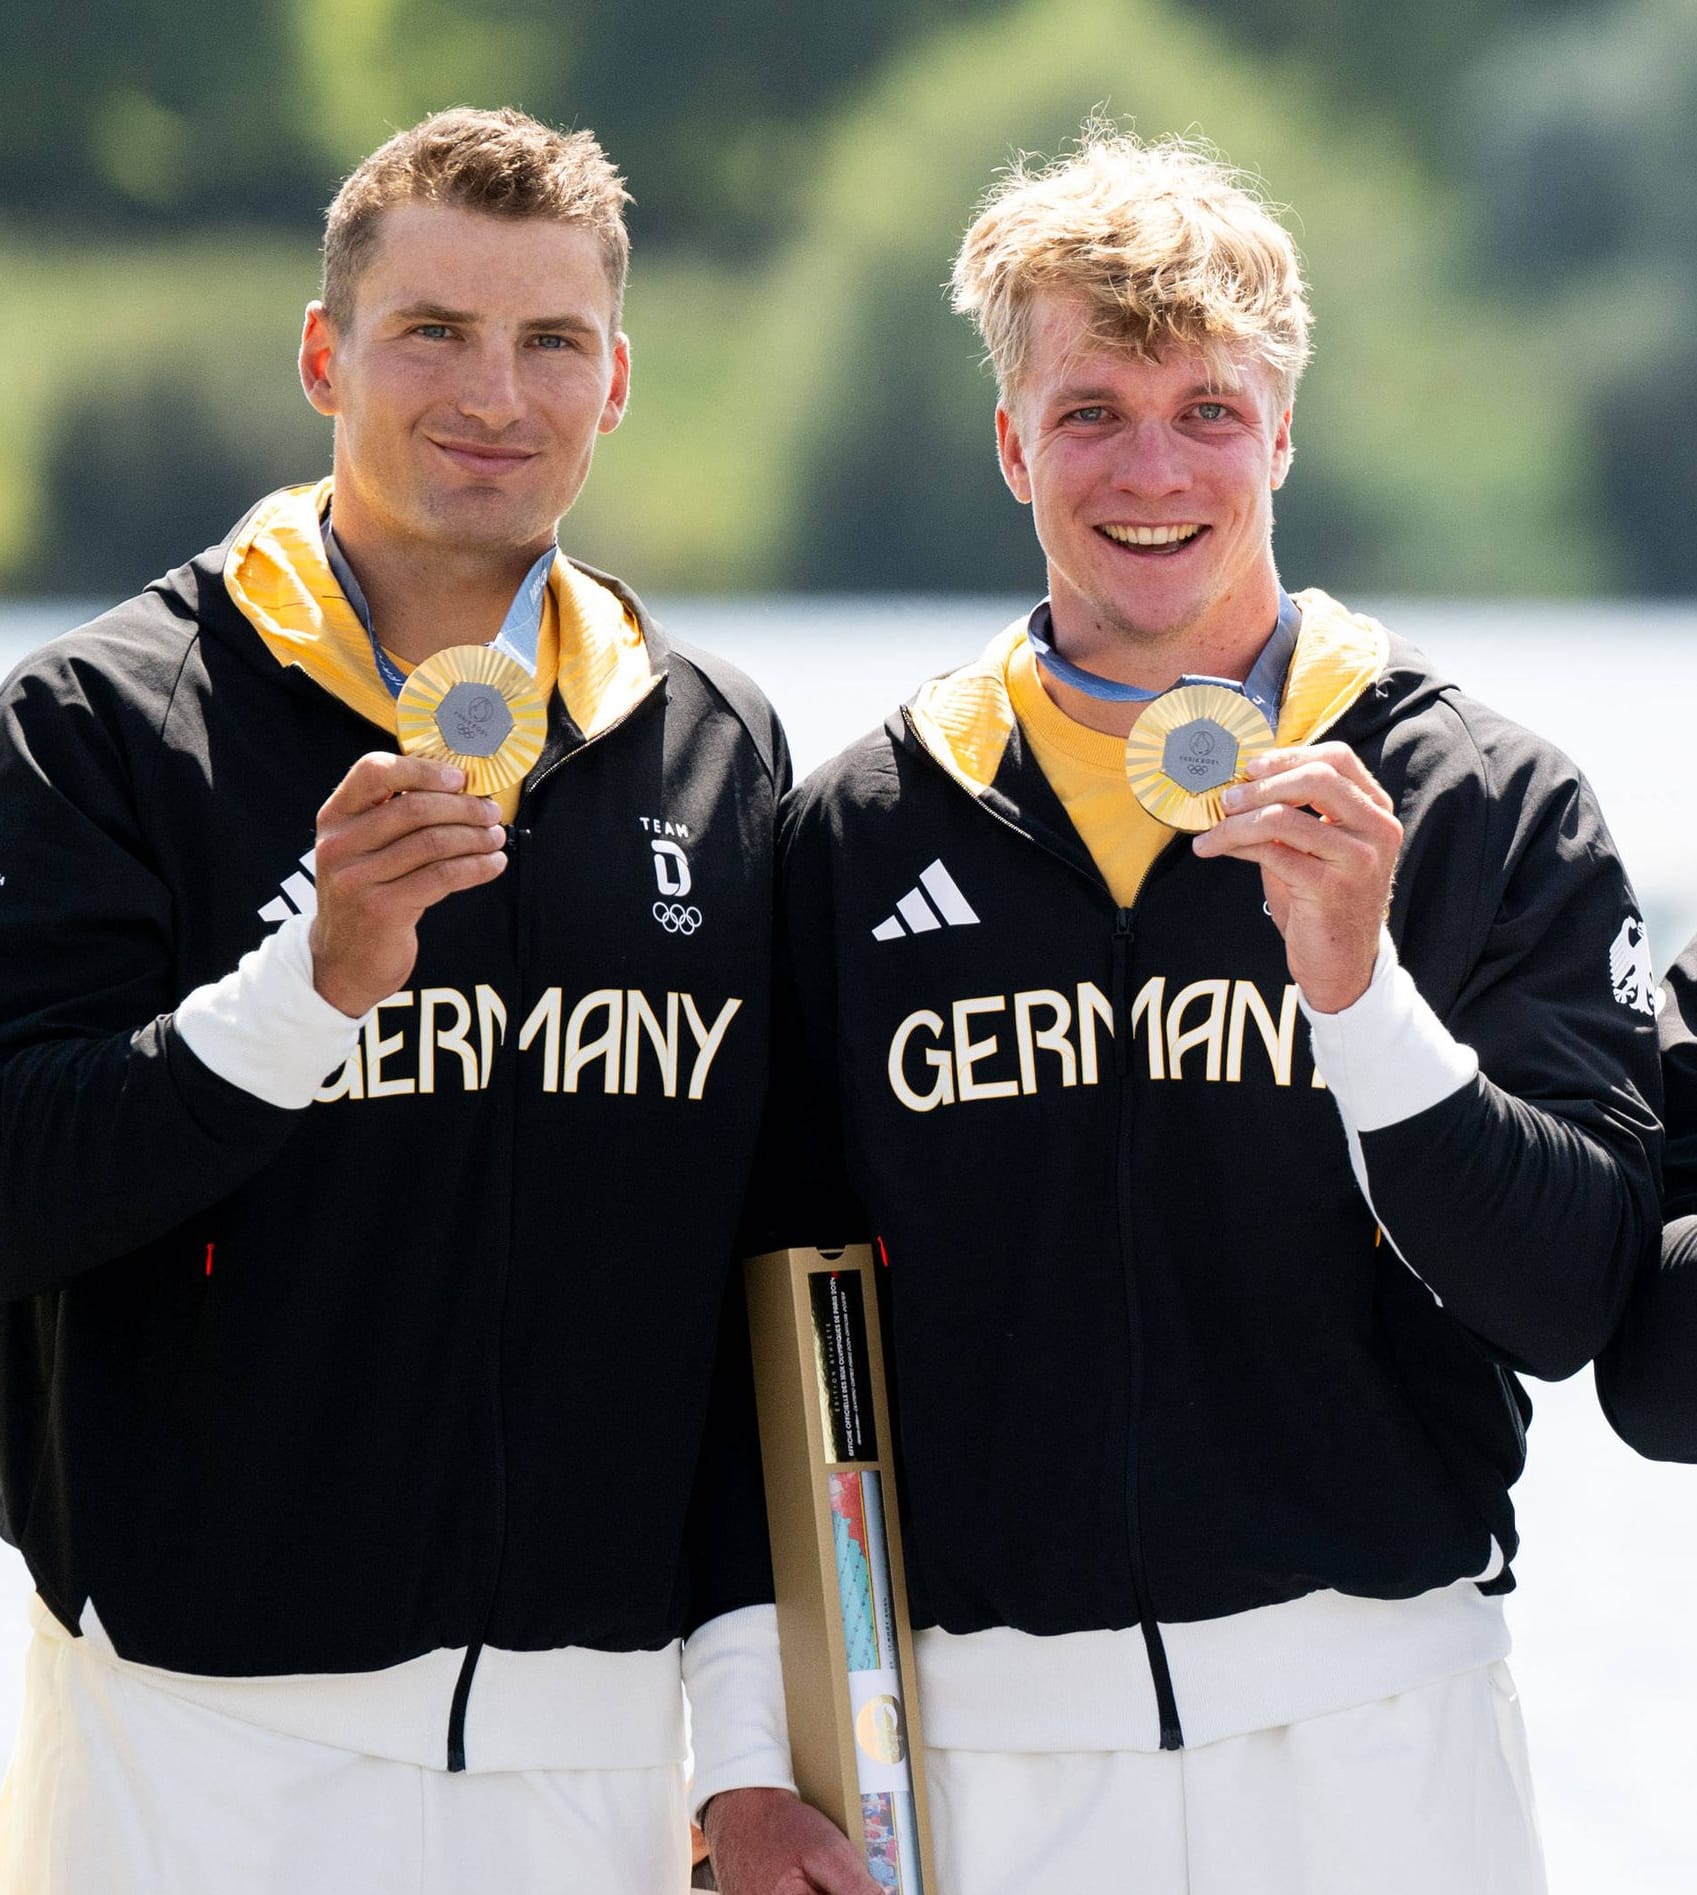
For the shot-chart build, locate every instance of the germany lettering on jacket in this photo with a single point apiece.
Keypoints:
(1004, 1046)
(475, 1269)
(611, 1040)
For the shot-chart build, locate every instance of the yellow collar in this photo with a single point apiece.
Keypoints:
(1338, 654)
(966, 718)
(277, 573)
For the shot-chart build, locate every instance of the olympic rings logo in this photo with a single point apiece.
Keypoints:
(676, 920)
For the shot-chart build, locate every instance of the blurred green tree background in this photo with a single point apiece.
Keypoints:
(1495, 199)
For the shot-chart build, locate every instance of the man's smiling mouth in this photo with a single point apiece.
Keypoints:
(479, 459)
(1165, 540)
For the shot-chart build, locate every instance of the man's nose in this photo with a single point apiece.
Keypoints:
(1151, 460)
(491, 392)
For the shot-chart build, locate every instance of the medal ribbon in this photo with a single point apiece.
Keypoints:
(1264, 687)
(518, 638)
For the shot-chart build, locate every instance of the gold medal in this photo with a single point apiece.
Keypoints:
(1187, 746)
(473, 706)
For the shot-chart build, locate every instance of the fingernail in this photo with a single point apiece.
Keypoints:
(1232, 796)
(452, 778)
(491, 810)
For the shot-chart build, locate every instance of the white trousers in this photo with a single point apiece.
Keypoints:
(1423, 1794)
(119, 1788)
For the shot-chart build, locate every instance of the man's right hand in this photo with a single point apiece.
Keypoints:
(395, 836)
(769, 1842)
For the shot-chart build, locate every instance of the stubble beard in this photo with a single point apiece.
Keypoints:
(457, 523)
(1146, 639)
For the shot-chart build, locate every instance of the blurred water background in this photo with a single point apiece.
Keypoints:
(1605, 1639)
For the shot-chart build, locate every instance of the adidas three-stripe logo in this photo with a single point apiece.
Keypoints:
(947, 905)
(299, 896)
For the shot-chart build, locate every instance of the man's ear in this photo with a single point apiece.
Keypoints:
(318, 348)
(1010, 451)
(618, 391)
(1282, 451)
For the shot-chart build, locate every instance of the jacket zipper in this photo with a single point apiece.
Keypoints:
(518, 843)
(518, 840)
(461, 1700)
(1166, 1700)
(1166, 1703)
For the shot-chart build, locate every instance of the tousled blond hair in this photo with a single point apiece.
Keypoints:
(1168, 247)
(504, 163)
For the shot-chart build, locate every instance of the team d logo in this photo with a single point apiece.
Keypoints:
(672, 879)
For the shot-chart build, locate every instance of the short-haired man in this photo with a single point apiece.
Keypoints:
(373, 1139)
(1224, 1189)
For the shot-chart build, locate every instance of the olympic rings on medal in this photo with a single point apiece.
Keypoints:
(676, 920)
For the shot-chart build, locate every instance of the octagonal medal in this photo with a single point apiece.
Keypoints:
(473, 706)
(1187, 746)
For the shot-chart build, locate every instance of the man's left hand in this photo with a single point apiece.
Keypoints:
(769, 1842)
(1325, 837)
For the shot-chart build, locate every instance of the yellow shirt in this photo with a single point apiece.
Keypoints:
(1086, 770)
(1338, 655)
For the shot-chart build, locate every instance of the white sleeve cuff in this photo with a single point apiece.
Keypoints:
(1388, 1056)
(738, 1728)
(265, 1027)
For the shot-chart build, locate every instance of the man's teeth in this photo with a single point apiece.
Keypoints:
(1151, 535)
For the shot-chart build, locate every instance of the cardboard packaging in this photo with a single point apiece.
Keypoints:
(825, 1438)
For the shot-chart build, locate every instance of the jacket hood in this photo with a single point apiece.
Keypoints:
(278, 577)
(965, 719)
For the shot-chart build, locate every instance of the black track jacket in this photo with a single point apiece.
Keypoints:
(429, 1363)
(1153, 1359)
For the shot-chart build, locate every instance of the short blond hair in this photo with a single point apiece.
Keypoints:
(503, 163)
(1168, 247)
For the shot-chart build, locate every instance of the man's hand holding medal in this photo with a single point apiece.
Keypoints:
(396, 836)
(1326, 839)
